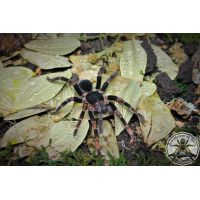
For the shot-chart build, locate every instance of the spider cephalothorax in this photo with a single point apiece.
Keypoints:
(95, 102)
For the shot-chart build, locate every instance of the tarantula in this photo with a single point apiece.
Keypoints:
(95, 102)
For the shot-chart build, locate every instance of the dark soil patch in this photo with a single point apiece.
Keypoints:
(96, 45)
(166, 87)
(151, 57)
(185, 72)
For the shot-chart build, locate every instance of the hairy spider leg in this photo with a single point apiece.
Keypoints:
(100, 124)
(121, 101)
(64, 103)
(101, 71)
(72, 81)
(96, 131)
(127, 127)
(107, 82)
(80, 118)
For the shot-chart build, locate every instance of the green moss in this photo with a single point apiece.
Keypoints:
(5, 155)
(146, 157)
(121, 161)
(77, 158)
(185, 38)
(187, 129)
(182, 86)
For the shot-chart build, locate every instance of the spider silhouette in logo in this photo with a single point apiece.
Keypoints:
(182, 150)
(95, 103)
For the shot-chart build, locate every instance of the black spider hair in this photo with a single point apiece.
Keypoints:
(85, 85)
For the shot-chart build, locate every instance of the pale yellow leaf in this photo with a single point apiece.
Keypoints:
(108, 142)
(133, 61)
(1, 65)
(61, 136)
(148, 88)
(5, 104)
(11, 81)
(45, 61)
(80, 62)
(54, 46)
(158, 121)
(13, 78)
(38, 90)
(131, 93)
(28, 129)
(66, 92)
(26, 112)
(164, 62)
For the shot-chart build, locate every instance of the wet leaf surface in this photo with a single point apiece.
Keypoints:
(131, 93)
(54, 46)
(38, 90)
(133, 61)
(66, 92)
(45, 61)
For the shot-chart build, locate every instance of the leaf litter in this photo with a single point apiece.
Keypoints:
(131, 59)
(37, 131)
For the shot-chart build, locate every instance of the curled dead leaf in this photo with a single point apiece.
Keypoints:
(182, 108)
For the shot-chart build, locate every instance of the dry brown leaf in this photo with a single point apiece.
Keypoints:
(178, 54)
(182, 108)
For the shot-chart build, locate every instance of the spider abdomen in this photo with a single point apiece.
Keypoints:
(94, 97)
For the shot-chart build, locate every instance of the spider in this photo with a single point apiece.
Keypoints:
(95, 103)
